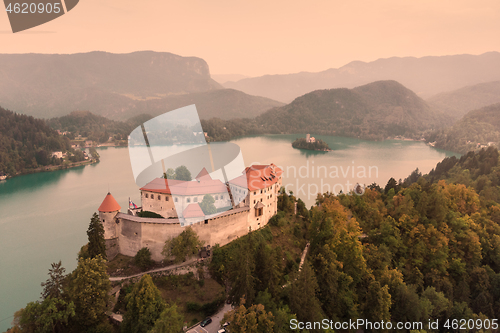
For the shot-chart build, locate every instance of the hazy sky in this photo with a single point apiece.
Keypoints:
(268, 37)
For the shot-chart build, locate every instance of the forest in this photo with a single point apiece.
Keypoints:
(27, 143)
(94, 127)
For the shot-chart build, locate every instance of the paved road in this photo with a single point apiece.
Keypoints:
(214, 326)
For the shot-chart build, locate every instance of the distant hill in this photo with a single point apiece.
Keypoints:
(223, 103)
(93, 127)
(376, 111)
(475, 130)
(425, 76)
(48, 85)
(458, 102)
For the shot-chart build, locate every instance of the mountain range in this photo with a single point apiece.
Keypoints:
(117, 86)
(426, 76)
(376, 111)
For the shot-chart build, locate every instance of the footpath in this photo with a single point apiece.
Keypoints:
(163, 269)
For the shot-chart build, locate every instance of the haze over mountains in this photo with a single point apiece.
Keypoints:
(458, 102)
(123, 86)
(477, 129)
(375, 111)
(425, 76)
(117, 86)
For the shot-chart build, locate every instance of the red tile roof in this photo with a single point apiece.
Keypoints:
(193, 210)
(109, 204)
(204, 175)
(181, 187)
(257, 177)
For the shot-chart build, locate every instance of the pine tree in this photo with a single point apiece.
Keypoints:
(95, 233)
(242, 273)
(303, 300)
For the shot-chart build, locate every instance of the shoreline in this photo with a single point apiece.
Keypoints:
(51, 168)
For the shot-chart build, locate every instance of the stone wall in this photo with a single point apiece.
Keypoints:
(112, 248)
(135, 233)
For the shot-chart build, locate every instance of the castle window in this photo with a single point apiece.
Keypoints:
(216, 197)
(188, 200)
(254, 201)
(176, 199)
(103, 220)
(206, 221)
(260, 191)
(159, 197)
(166, 198)
(146, 195)
(254, 193)
(196, 199)
(260, 199)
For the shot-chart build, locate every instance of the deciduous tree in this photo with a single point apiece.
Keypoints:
(187, 243)
(170, 321)
(255, 319)
(88, 289)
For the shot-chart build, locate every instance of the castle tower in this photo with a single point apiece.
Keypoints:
(107, 214)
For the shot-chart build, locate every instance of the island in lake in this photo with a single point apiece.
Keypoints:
(310, 143)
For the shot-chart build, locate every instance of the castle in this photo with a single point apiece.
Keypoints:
(245, 203)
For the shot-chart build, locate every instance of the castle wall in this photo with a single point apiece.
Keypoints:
(154, 236)
(112, 248)
(224, 228)
(129, 237)
(136, 233)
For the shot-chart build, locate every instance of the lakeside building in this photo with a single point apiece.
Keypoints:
(245, 203)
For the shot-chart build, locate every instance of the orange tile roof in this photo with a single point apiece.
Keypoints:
(257, 177)
(109, 204)
(193, 210)
(181, 187)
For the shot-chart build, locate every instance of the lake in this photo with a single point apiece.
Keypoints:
(45, 216)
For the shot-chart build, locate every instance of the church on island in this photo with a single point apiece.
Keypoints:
(243, 204)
